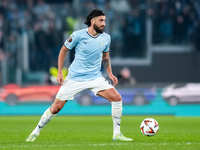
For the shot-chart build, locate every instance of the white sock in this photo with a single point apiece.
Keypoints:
(46, 117)
(116, 115)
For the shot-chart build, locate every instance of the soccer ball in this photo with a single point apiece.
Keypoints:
(149, 127)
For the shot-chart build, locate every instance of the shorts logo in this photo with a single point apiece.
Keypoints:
(59, 96)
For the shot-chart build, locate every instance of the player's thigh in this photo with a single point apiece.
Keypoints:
(69, 90)
(110, 94)
(101, 87)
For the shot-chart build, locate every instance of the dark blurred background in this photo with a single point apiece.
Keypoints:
(157, 40)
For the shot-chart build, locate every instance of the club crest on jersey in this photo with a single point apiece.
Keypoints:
(101, 43)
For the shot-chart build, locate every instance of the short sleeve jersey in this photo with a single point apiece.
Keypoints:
(86, 65)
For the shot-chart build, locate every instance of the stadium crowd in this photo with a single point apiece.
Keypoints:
(48, 23)
(176, 21)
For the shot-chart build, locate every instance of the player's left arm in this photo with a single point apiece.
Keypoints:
(107, 65)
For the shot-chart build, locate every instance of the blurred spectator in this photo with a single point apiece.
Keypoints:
(172, 21)
(71, 22)
(120, 6)
(41, 8)
(28, 29)
(133, 34)
(4, 26)
(43, 53)
(2, 41)
(1, 52)
(179, 28)
(125, 77)
(54, 37)
(53, 73)
(117, 35)
(197, 36)
(11, 49)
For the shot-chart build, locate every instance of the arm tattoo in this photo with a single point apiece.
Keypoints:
(106, 63)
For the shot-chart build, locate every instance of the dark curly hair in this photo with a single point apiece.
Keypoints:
(94, 13)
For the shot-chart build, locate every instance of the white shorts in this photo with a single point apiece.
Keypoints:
(71, 88)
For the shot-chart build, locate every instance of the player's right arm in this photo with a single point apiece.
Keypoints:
(71, 41)
(61, 59)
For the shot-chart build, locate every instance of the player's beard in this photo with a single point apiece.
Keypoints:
(97, 29)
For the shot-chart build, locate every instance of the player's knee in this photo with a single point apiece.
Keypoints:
(56, 107)
(54, 110)
(117, 97)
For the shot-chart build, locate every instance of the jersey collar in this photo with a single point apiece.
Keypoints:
(92, 35)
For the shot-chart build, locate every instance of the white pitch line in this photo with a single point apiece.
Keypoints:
(67, 145)
(102, 144)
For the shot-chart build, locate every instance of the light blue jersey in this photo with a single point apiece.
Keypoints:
(88, 54)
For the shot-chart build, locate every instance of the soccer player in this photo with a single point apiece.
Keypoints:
(91, 49)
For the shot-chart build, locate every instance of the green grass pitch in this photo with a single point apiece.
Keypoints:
(95, 133)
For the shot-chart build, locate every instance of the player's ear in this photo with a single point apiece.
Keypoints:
(93, 20)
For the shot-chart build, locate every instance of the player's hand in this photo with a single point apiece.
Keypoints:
(60, 79)
(114, 79)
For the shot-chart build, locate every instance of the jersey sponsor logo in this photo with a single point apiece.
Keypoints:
(69, 39)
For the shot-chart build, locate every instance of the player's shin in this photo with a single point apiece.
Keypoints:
(46, 117)
(116, 115)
